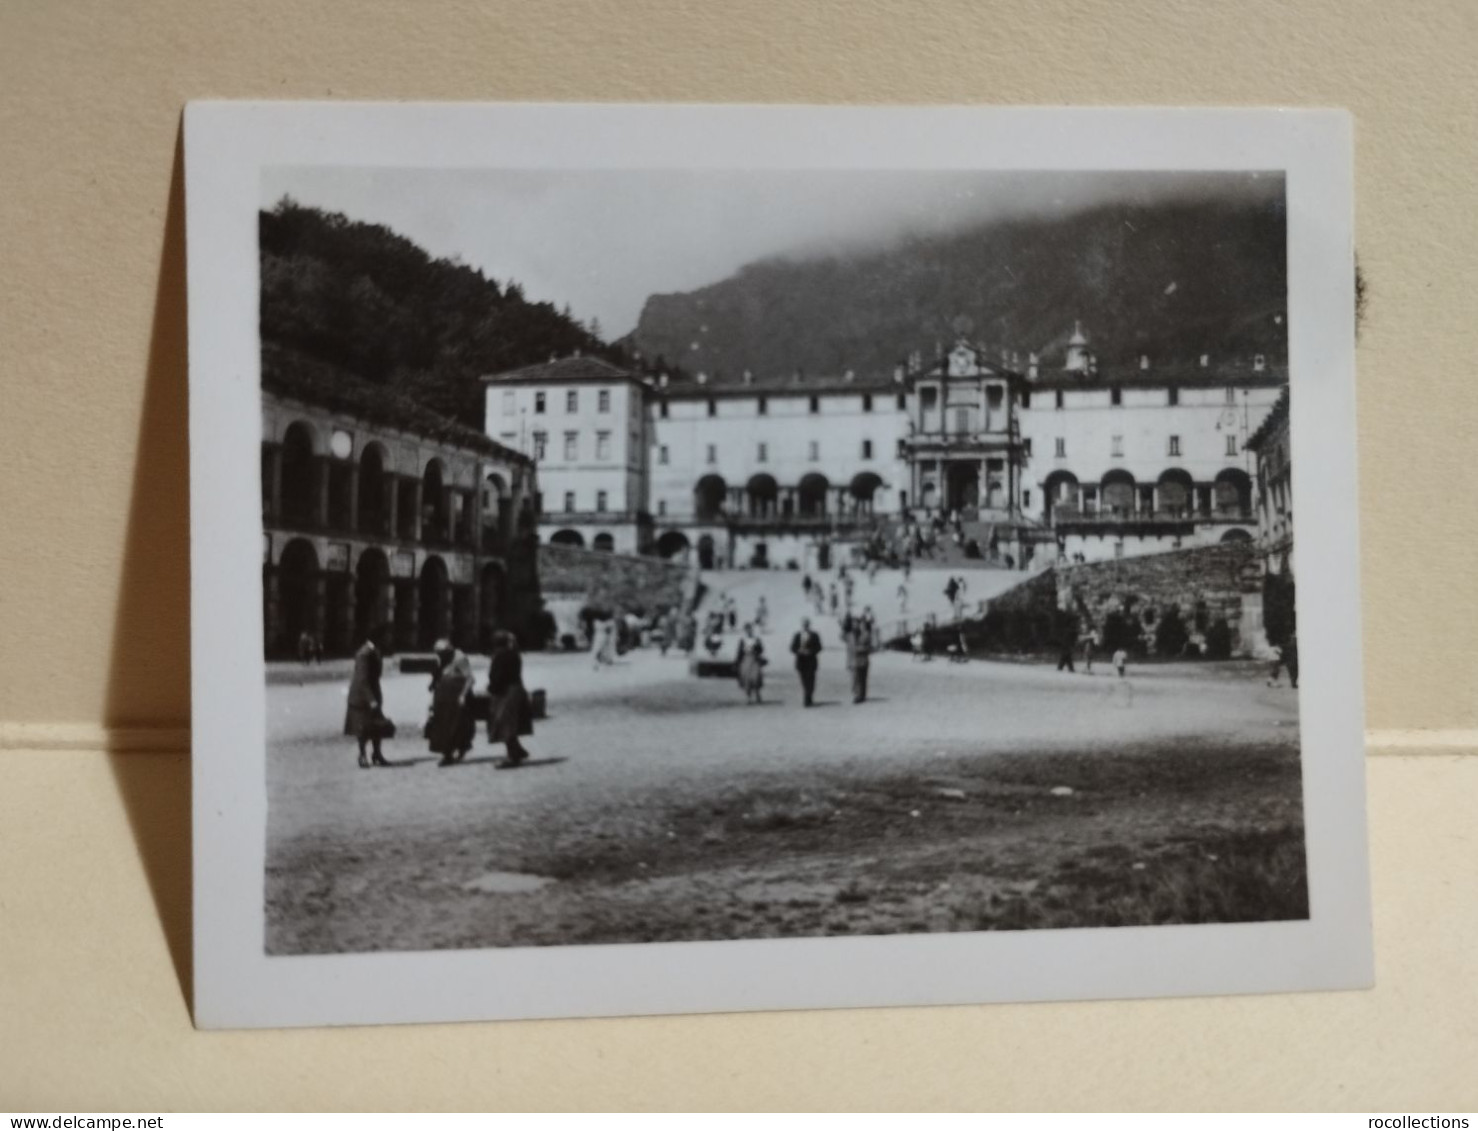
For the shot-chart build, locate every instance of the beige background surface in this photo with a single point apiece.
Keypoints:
(94, 648)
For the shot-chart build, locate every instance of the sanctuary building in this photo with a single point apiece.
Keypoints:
(763, 471)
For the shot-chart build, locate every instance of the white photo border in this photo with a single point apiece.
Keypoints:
(237, 984)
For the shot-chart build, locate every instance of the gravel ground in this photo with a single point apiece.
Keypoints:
(658, 806)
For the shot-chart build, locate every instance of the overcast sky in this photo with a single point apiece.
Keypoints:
(602, 241)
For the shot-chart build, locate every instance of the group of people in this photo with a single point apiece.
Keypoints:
(859, 634)
(1087, 646)
(455, 708)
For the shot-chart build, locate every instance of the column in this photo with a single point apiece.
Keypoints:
(353, 496)
(1155, 499)
(386, 610)
(447, 532)
(416, 513)
(271, 610)
(320, 492)
(391, 508)
(410, 597)
(274, 482)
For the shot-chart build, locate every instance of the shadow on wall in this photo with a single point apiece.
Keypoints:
(149, 669)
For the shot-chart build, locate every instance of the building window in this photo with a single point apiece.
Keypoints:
(569, 501)
(1026, 398)
(1061, 447)
(600, 501)
(1116, 396)
(902, 401)
(572, 401)
(662, 454)
(1231, 445)
(602, 445)
(1231, 395)
(962, 420)
(508, 438)
(867, 449)
(538, 502)
(866, 402)
(572, 445)
(1026, 447)
(1026, 499)
(539, 402)
(1059, 398)
(712, 407)
(713, 453)
(662, 409)
(813, 450)
(541, 443)
(508, 402)
(815, 405)
(603, 401)
(764, 406)
(1172, 397)
(764, 452)
(661, 507)
(1175, 445)
(1116, 445)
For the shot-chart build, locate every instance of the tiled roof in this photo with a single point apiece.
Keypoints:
(286, 373)
(563, 369)
(1276, 416)
(1241, 374)
(780, 386)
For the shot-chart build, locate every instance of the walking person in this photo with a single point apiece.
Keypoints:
(1090, 645)
(1065, 653)
(364, 717)
(805, 645)
(761, 615)
(860, 633)
(751, 662)
(451, 726)
(1121, 661)
(510, 713)
(605, 645)
(833, 598)
(903, 597)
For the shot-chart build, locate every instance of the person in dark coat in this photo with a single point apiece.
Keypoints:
(805, 645)
(510, 713)
(450, 729)
(364, 717)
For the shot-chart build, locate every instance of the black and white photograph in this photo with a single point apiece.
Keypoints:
(671, 551)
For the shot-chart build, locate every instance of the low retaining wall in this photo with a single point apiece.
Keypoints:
(611, 583)
(1207, 589)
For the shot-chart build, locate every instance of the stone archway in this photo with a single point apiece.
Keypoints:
(673, 544)
(299, 601)
(1117, 491)
(432, 601)
(1232, 493)
(567, 538)
(865, 485)
(811, 494)
(762, 491)
(709, 496)
(371, 585)
(299, 476)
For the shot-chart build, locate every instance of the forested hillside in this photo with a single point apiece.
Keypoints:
(1173, 281)
(366, 301)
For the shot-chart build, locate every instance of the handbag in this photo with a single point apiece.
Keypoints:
(381, 727)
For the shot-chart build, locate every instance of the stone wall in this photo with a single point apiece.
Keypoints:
(609, 582)
(1204, 585)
